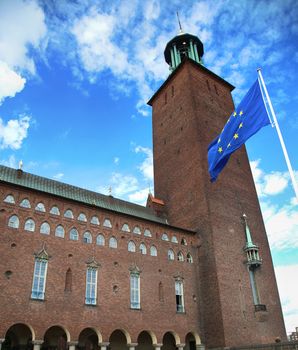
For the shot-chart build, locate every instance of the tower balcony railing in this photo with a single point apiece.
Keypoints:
(260, 307)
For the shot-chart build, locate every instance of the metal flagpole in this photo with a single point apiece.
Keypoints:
(283, 146)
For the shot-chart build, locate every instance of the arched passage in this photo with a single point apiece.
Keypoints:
(119, 339)
(56, 338)
(169, 341)
(88, 339)
(146, 339)
(19, 337)
(191, 340)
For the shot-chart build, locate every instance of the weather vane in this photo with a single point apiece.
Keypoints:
(181, 31)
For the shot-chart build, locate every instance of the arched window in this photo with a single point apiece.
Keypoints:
(100, 240)
(107, 223)
(59, 232)
(9, 199)
(125, 228)
(189, 258)
(55, 210)
(40, 207)
(131, 246)
(180, 256)
(14, 221)
(73, 234)
(68, 214)
(164, 237)
(183, 241)
(174, 239)
(68, 280)
(25, 203)
(87, 238)
(94, 220)
(137, 230)
(171, 255)
(82, 217)
(153, 251)
(147, 233)
(113, 242)
(143, 249)
(45, 228)
(29, 225)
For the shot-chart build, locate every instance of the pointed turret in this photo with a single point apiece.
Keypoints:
(251, 249)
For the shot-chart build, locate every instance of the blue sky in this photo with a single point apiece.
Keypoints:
(75, 77)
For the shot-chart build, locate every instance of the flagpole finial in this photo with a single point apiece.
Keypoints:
(180, 26)
(258, 69)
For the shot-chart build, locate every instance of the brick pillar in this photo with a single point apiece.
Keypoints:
(37, 344)
(132, 346)
(104, 345)
(1, 341)
(71, 345)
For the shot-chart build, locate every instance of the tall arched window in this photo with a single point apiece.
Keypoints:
(9, 199)
(29, 225)
(180, 256)
(14, 221)
(40, 207)
(100, 240)
(73, 234)
(113, 242)
(55, 210)
(25, 203)
(171, 255)
(87, 238)
(45, 228)
(59, 232)
(153, 251)
(143, 249)
(131, 246)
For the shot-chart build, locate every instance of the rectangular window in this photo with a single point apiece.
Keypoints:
(135, 291)
(91, 286)
(179, 296)
(39, 279)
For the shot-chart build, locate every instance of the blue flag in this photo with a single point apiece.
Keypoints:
(245, 121)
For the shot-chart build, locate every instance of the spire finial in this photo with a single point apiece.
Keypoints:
(180, 27)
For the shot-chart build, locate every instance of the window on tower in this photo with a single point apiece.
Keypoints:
(14, 221)
(91, 286)
(135, 290)
(179, 295)
(39, 276)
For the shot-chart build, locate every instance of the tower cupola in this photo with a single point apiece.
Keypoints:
(251, 249)
(181, 46)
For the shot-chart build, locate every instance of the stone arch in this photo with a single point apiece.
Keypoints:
(146, 340)
(56, 336)
(191, 340)
(119, 339)
(19, 335)
(170, 340)
(89, 339)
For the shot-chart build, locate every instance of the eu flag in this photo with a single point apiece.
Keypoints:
(250, 116)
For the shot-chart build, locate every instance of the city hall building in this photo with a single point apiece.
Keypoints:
(192, 269)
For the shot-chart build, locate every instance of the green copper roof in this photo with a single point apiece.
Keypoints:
(60, 189)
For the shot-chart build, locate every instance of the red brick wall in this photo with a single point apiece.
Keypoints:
(113, 311)
(184, 123)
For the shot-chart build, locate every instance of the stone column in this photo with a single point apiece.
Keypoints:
(1, 341)
(200, 347)
(180, 346)
(132, 346)
(71, 345)
(157, 346)
(103, 345)
(37, 344)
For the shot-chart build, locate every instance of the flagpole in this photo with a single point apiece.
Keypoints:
(283, 146)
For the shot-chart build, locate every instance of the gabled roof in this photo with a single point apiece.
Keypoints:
(60, 189)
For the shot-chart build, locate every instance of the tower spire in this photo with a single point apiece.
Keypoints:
(180, 27)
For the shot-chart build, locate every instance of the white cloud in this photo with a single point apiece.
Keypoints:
(288, 290)
(116, 160)
(139, 197)
(147, 165)
(123, 184)
(22, 26)
(10, 162)
(10, 82)
(14, 132)
(58, 176)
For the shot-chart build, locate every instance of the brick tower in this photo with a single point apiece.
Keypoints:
(239, 301)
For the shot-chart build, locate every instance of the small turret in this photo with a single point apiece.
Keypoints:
(181, 46)
(251, 249)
